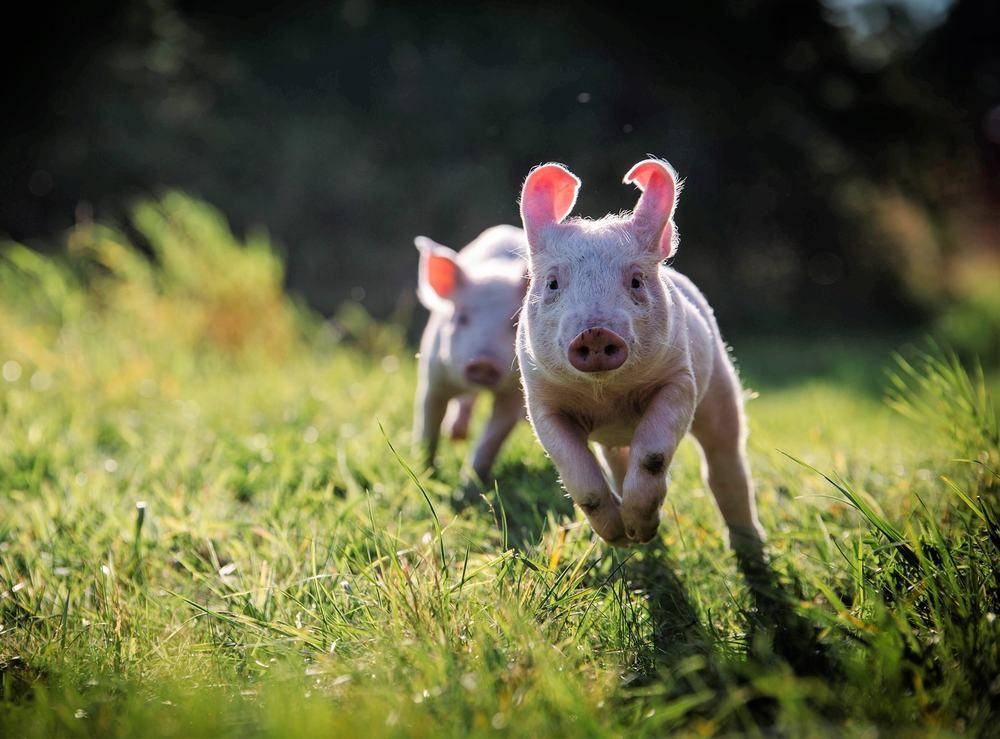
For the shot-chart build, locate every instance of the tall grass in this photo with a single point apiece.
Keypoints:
(936, 391)
(210, 525)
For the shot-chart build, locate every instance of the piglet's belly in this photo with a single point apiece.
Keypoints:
(613, 434)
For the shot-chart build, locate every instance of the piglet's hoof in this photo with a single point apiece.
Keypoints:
(606, 520)
(640, 513)
(458, 433)
(643, 535)
(468, 491)
(640, 529)
(622, 543)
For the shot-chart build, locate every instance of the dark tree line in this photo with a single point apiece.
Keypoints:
(821, 170)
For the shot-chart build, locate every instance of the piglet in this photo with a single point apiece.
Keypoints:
(474, 297)
(617, 349)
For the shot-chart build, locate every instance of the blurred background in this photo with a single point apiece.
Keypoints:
(842, 157)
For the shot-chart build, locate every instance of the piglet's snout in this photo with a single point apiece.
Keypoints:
(598, 350)
(485, 372)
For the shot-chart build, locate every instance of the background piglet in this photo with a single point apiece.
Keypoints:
(619, 350)
(474, 297)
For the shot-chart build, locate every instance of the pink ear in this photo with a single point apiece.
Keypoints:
(653, 216)
(547, 198)
(440, 274)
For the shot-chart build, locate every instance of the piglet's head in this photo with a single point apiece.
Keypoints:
(596, 302)
(476, 308)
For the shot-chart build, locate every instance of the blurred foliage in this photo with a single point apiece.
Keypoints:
(204, 289)
(971, 321)
(832, 150)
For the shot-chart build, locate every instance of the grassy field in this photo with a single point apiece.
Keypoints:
(209, 526)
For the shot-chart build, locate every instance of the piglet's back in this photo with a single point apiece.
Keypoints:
(498, 247)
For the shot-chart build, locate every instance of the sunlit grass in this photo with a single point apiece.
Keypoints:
(205, 530)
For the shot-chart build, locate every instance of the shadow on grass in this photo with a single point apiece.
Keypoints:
(775, 627)
(675, 648)
(18, 680)
(676, 629)
(678, 639)
(525, 495)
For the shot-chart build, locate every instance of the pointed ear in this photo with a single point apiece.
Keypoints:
(440, 276)
(653, 218)
(547, 197)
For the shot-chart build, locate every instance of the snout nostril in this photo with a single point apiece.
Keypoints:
(482, 373)
(597, 350)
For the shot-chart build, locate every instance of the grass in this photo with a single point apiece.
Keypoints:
(210, 526)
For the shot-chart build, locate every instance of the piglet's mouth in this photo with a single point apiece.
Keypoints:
(483, 372)
(597, 350)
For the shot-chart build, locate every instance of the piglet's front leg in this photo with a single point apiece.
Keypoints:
(663, 425)
(429, 410)
(581, 474)
(508, 409)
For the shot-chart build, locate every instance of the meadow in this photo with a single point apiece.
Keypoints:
(212, 524)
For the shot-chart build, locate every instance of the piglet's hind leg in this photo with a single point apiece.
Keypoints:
(720, 430)
(508, 409)
(456, 418)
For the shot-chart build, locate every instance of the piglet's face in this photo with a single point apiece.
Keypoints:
(477, 310)
(596, 305)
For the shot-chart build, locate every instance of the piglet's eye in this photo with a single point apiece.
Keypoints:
(463, 319)
(636, 282)
(553, 284)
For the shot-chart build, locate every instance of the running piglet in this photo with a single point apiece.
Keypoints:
(474, 297)
(618, 350)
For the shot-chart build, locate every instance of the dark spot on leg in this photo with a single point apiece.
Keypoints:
(653, 463)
